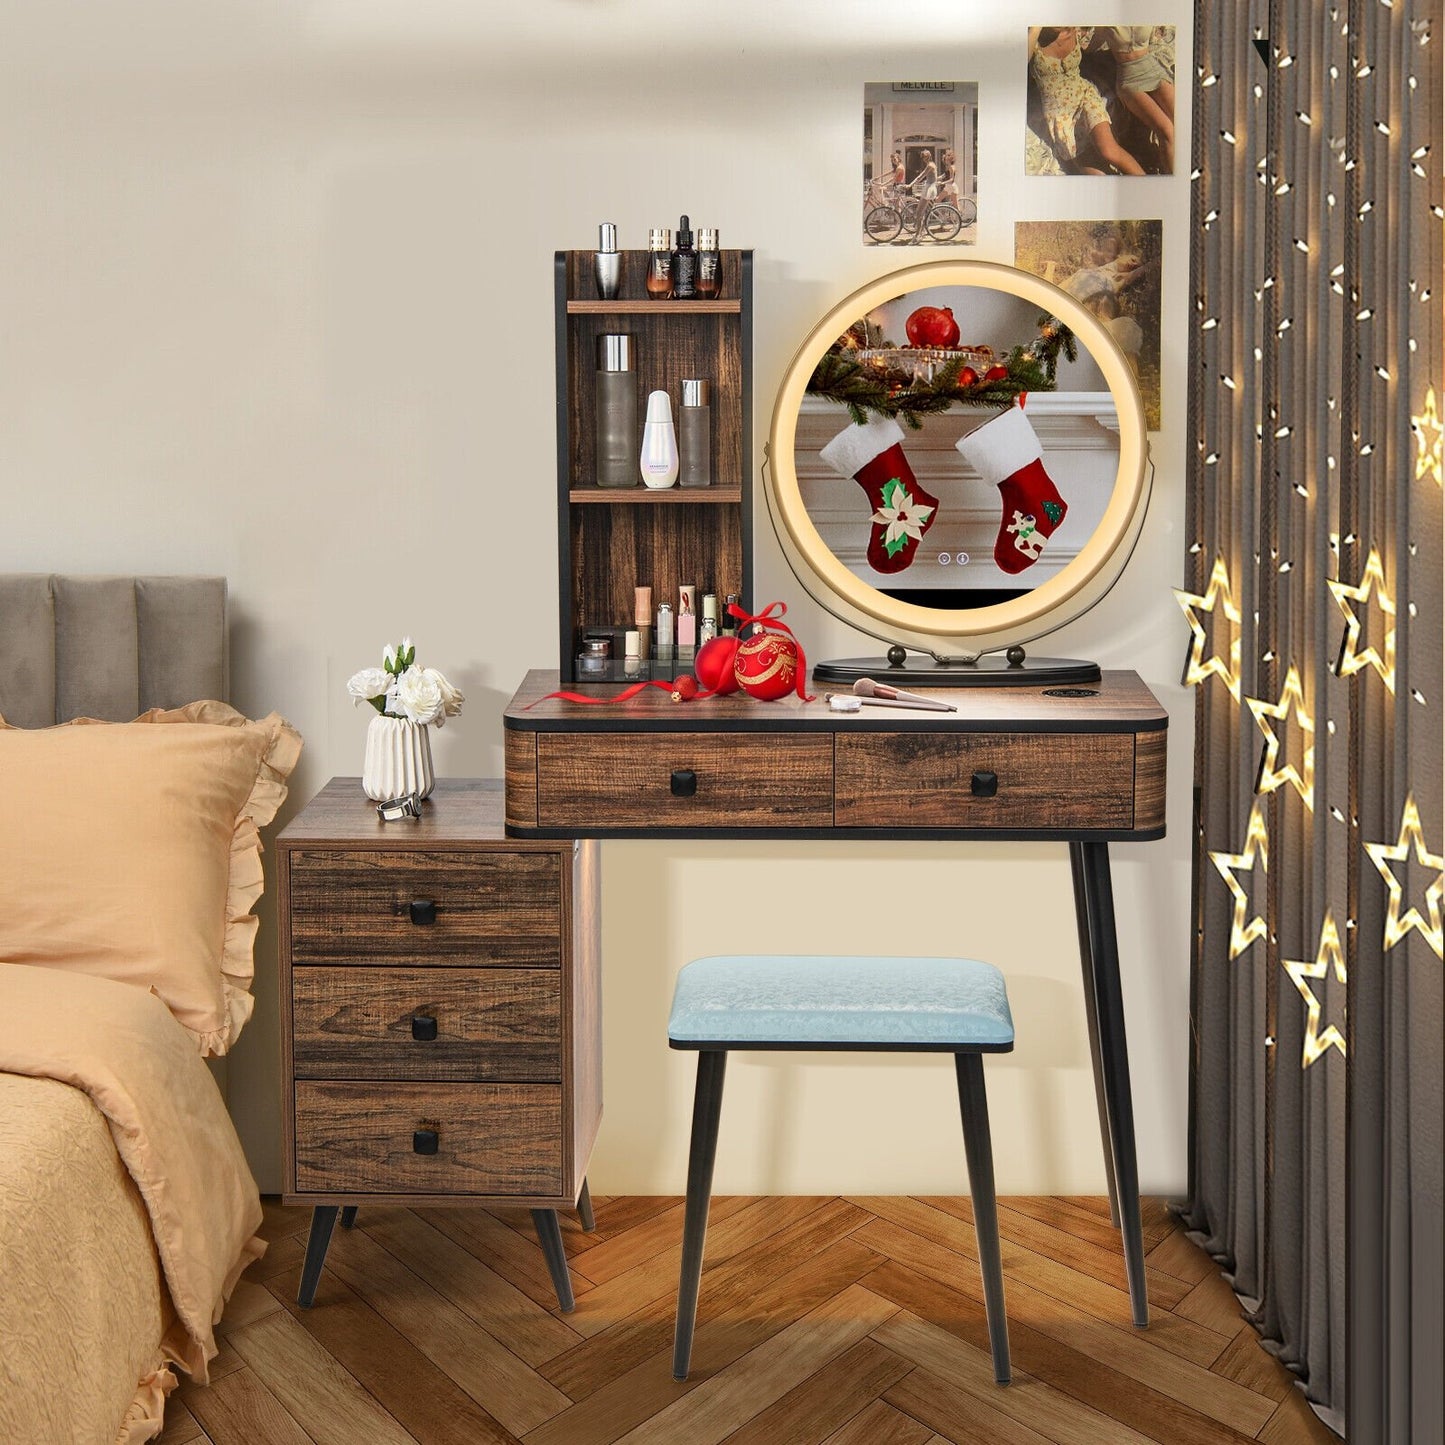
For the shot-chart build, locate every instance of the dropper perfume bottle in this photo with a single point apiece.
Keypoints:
(684, 264)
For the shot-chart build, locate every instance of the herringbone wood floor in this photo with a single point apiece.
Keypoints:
(822, 1322)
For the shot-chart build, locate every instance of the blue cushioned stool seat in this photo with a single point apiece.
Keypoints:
(828, 1002)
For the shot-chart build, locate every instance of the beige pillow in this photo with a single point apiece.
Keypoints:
(131, 850)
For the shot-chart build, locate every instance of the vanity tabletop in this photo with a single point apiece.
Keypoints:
(1118, 703)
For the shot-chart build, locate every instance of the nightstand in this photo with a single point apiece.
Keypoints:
(440, 1013)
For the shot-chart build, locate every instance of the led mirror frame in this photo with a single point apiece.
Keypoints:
(1049, 606)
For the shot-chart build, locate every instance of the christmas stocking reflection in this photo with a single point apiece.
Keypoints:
(1006, 452)
(872, 454)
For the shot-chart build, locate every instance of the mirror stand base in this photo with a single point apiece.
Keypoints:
(993, 670)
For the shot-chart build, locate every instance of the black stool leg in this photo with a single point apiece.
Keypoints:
(706, 1111)
(1091, 1015)
(978, 1148)
(323, 1221)
(584, 1209)
(348, 1216)
(549, 1232)
(1114, 1049)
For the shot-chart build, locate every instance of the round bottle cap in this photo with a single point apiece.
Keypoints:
(614, 352)
(660, 239)
(696, 392)
(607, 237)
(659, 407)
(707, 238)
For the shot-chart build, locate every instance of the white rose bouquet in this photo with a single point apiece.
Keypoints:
(401, 689)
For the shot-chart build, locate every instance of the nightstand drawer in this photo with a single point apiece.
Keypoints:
(491, 1024)
(492, 908)
(429, 1138)
(1033, 781)
(684, 780)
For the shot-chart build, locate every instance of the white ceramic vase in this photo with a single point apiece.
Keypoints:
(398, 759)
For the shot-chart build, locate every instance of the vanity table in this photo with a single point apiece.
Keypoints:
(1085, 766)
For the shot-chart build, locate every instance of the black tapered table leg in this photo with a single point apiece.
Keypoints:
(348, 1216)
(1091, 1013)
(706, 1111)
(323, 1221)
(1114, 1051)
(584, 1209)
(549, 1232)
(978, 1148)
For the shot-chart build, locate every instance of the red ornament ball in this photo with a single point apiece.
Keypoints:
(714, 664)
(996, 373)
(766, 666)
(932, 326)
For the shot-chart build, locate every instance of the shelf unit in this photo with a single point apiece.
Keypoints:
(611, 541)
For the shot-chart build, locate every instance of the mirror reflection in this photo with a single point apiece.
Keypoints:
(956, 447)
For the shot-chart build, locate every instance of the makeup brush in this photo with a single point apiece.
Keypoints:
(866, 687)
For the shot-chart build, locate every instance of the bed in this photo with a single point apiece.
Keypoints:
(127, 1211)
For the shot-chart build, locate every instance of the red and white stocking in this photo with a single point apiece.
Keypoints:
(872, 454)
(1006, 452)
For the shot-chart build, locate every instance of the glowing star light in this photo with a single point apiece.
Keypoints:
(1383, 854)
(1256, 845)
(1216, 596)
(1352, 659)
(1301, 779)
(1301, 974)
(1429, 440)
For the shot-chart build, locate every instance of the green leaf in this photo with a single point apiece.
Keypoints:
(894, 547)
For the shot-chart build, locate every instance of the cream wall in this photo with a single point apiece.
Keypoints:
(277, 304)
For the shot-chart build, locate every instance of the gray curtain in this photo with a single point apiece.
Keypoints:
(1313, 590)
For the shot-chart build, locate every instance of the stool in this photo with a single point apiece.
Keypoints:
(880, 1005)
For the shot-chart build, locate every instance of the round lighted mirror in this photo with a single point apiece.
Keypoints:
(958, 458)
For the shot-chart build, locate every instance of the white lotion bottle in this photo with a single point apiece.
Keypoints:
(658, 461)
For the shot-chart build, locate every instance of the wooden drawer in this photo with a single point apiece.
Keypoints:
(491, 1138)
(609, 780)
(492, 909)
(492, 1024)
(927, 780)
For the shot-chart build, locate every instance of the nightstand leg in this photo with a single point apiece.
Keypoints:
(1114, 1051)
(549, 1232)
(348, 1216)
(1091, 1013)
(584, 1209)
(323, 1221)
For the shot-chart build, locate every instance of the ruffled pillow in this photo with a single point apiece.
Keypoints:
(132, 851)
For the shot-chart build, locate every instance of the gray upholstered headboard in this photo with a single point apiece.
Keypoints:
(109, 647)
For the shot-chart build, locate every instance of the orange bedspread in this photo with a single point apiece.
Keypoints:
(90, 1202)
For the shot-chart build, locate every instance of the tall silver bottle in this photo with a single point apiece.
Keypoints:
(694, 434)
(617, 433)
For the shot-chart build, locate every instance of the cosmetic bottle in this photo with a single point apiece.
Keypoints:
(631, 653)
(729, 622)
(609, 261)
(709, 264)
(658, 460)
(659, 264)
(708, 628)
(686, 622)
(684, 264)
(664, 632)
(694, 440)
(616, 460)
(642, 620)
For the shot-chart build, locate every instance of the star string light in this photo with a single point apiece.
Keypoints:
(1384, 854)
(1330, 956)
(1256, 845)
(1352, 659)
(1429, 440)
(1217, 596)
(1301, 779)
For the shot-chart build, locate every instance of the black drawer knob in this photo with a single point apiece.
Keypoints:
(423, 1028)
(684, 783)
(422, 910)
(985, 785)
(425, 1141)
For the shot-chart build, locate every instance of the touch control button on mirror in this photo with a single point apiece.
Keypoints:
(985, 784)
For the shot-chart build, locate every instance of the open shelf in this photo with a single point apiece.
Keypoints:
(647, 497)
(719, 307)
